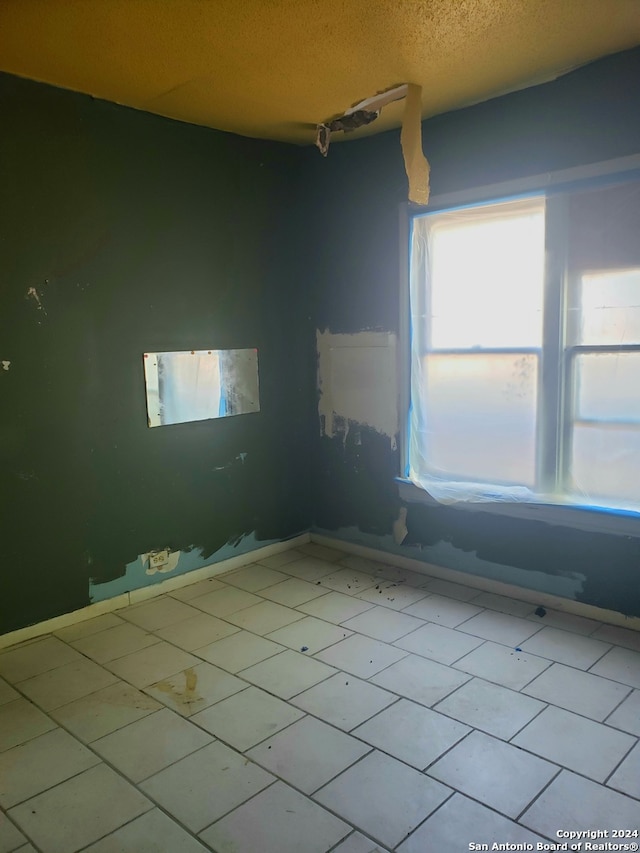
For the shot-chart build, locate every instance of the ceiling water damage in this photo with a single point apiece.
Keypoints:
(288, 70)
(276, 69)
(367, 111)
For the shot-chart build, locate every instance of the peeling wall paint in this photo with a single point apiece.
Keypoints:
(587, 116)
(447, 554)
(32, 293)
(357, 381)
(138, 234)
(136, 573)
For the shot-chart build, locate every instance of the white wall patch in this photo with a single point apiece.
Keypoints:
(357, 380)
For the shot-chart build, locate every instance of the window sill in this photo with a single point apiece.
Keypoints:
(589, 519)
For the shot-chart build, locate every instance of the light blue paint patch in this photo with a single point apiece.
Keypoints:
(136, 577)
(446, 555)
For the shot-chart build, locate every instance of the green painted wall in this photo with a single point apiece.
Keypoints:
(590, 115)
(120, 233)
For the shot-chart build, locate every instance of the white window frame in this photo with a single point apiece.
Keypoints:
(550, 462)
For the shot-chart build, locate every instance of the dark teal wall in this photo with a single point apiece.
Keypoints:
(589, 115)
(139, 234)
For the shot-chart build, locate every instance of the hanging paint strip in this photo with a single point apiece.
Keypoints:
(360, 114)
(415, 163)
(364, 112)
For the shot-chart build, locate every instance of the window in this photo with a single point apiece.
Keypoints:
(525, 362)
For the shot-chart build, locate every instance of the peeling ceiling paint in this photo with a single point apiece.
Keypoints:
(276, 69)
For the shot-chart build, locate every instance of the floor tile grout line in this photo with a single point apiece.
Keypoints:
(342, 841)
(366, 677)
(550, 663)
(7, 809)
(197, 833)
(537, 796)
(565, 766)
(604, 654)
(617, 767)
(538, 675)
(122, 775)
(237, 675)
(276, 780)
(150, 798)
(128, 823)
(554, 661)
(545, 705)
(22, 832)
(449, 749)
(630, 688)
(335, 813)
(457, 660)
(455, 665)
(432, 708)
(422, 770)
(143, 688)
(621, 702)
(559, 769)
(454, 791)
(435, 707)
(350, 731)
(581, 713)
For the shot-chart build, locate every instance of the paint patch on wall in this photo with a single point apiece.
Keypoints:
(357, 381)
(446, 554)
(6, 365)
(137, 576)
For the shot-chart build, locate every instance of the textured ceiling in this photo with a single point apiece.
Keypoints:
(275, 68)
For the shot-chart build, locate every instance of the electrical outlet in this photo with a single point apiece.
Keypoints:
(159, 558)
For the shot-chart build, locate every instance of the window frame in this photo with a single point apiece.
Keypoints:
(553, 434)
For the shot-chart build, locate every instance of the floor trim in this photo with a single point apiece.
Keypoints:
(135, 596)
(531, 596)
(482, 584)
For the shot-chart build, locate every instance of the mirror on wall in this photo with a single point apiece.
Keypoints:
(200, 384)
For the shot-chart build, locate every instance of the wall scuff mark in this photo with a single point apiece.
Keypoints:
(32, 293)
(239, 458)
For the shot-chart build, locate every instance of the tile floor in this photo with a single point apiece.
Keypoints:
(318, 702)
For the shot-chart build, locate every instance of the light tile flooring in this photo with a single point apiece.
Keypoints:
(317, 702)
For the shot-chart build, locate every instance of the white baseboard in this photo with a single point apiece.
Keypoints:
(531, 596)
(482, 584)
(135, 596)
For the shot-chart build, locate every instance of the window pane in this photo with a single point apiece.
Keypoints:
(486, 276)
(608, 386)
(610, 308)
(605, 464)
(481, 416)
